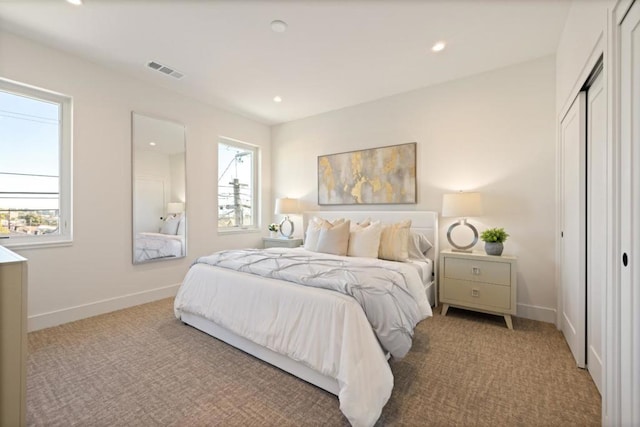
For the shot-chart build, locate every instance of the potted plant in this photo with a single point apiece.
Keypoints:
(273, 229)
(493, 239)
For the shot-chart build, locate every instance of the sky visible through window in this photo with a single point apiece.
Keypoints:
(29, 152)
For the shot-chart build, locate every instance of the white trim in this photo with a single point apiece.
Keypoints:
(611, 398)
(535, 312)
(58, 317)
(65, 150)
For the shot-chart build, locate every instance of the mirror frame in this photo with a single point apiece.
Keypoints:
(139, 257)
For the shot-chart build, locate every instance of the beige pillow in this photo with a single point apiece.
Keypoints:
(394, 241)
(334, 238)
(365, 240)
(313, 231)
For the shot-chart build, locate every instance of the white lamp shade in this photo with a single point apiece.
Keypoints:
(461, 205)
(286, 206)
(175, 207)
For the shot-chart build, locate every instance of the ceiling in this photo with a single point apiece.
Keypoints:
(334, 54)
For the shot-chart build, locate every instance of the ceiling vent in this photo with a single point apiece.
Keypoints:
(165, 70)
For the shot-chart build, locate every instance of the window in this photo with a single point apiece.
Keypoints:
(237, 185)
(35, 166)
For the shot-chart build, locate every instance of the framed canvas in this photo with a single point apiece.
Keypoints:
(384, 175)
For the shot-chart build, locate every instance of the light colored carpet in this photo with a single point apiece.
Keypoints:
(143, 367)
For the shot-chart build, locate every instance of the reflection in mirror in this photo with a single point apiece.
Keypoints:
(159, 189)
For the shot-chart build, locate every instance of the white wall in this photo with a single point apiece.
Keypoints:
(178, 184)
(584, 29)
(494, 132)
(95, 274)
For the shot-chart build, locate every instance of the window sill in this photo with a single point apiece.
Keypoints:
(17, 244)
(222, 232)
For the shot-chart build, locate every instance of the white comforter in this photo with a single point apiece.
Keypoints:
(323, 329)
(150, 246)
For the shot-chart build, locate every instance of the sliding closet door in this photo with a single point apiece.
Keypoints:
(630, 217)
(573, 227)
(596, 224)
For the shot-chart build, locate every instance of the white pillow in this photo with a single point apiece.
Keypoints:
(182, 225)
(313, 231)
(394, 241)
(334, 238)
(419, 245)
(365, 240)
(170, 225)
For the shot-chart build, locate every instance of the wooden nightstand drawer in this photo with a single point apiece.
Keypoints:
(478, 295)
(498, 273)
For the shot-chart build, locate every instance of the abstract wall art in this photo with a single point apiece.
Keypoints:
(384, 175)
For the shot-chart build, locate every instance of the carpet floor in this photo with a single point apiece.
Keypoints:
(143, 367)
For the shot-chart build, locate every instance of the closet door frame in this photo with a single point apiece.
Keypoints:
(621, 397)
(626, 317)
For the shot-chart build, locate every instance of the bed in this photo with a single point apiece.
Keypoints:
(168, 243)
(313, 332)
(152, 246)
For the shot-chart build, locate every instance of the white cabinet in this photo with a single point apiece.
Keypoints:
(13, 338)
(479, 282)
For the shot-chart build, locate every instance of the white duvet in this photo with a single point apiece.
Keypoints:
(325, 330)
(150, 246)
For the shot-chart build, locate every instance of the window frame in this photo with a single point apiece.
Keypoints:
(255, 227)
(65, 148)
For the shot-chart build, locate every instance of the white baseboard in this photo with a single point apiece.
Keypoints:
(71, 314)
(534, 312)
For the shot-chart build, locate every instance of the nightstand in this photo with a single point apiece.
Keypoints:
(475, 281)
(276, 242)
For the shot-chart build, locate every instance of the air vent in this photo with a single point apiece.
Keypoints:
(164, 69)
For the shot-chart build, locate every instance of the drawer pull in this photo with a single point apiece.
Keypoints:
(475, 293)
(475, 271)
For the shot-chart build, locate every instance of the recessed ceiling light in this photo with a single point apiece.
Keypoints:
(75, 2)
(438, 46)
(277, 99)
(153, 144)
(278, 26)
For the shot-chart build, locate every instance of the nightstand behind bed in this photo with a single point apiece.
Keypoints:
(479, 282)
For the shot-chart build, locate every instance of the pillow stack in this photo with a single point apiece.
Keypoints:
(368, 239)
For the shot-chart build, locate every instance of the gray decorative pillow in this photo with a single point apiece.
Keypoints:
(419, 245)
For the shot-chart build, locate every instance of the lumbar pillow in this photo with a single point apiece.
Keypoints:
(170, 225)
(365, 240)
(334, 238)
(419, 245)
(394, 241)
